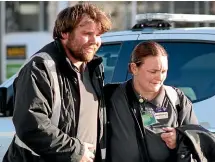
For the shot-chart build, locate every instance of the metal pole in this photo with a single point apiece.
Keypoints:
(207, 11)
(52, 12)
(2, 45)
(196, 10)
(133, 12)
(172, 9)
(41, 15)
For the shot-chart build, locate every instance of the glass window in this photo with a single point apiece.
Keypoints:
(109, 53)
(192, 68)
(152, 6)
(11, 18)
(45, 16)
(186, 7)
(26, 16)
(201, 7)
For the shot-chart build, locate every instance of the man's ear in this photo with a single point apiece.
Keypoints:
(65, 35)
(133, 68)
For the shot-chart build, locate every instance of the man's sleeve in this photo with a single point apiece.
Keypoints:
(32, 113)
(186, 113)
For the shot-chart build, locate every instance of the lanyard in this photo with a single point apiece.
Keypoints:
(135, 111)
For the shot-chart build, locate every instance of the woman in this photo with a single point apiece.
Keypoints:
(141, 113)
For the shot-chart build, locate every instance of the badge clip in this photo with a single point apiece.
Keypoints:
(141, 100)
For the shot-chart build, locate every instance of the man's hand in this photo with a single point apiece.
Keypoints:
(88, 155)
(169, 137)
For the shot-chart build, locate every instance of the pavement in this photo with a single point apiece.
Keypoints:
(6, 134)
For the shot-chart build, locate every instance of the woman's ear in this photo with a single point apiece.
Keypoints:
(133, 68)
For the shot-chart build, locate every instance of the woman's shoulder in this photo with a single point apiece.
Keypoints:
(175, 92)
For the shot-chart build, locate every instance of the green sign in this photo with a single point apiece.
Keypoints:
(12, 68)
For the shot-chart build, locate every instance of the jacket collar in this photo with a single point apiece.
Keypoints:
(157, 101)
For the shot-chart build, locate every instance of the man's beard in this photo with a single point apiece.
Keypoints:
(80, 56)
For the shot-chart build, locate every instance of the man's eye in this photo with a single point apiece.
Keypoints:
(153, 72)
(87, 33)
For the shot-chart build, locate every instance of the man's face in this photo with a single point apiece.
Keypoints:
(84, 41)
(152, 73)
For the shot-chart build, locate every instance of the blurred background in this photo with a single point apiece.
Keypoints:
(26, 26)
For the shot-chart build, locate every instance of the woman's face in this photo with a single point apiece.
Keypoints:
(151, 74)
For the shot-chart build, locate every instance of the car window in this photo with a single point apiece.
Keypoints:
(192, 68)
(109, 53)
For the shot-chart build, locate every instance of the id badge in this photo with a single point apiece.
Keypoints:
(148, 118)
(161, 113)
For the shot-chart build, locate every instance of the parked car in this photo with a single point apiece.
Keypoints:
(191, 62)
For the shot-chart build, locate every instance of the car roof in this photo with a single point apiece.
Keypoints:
(196, 30)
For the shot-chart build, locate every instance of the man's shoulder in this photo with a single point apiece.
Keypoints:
(43, 54)
(96, 62)
(37, 59)
(48, 48)
(110, 88)
(42, 62)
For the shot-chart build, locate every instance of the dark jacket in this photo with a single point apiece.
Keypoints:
(129, 140)
(34, 98)
(195, 144)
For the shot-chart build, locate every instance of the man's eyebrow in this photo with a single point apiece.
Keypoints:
(86, 22)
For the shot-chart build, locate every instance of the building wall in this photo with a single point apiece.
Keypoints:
(41, 15)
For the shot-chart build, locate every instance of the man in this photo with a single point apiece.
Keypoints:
(75, 133)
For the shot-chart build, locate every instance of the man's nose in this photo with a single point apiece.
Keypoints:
(93, 39)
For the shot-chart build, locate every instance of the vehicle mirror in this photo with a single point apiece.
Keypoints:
(3, 99)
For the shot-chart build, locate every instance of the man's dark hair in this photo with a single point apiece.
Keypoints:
(68, 19)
